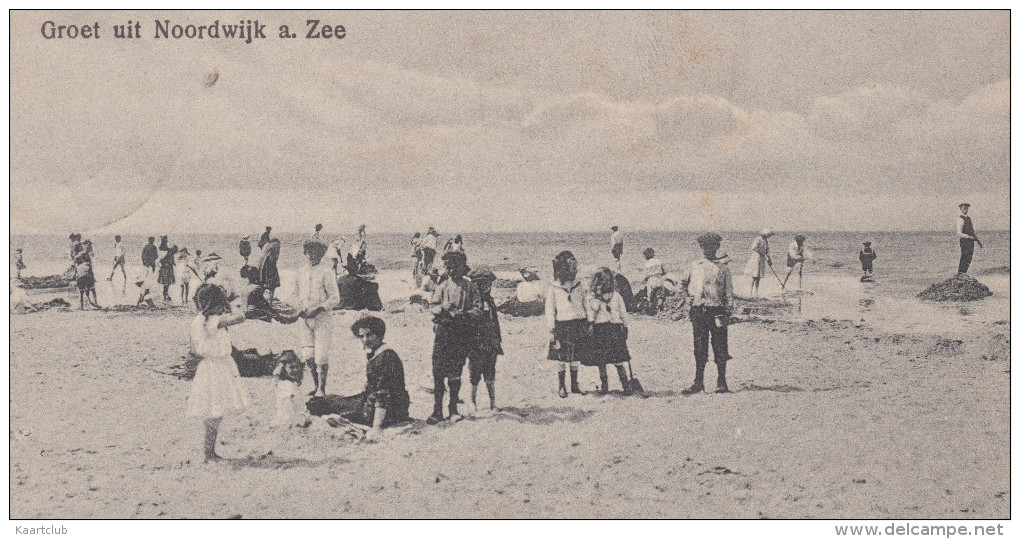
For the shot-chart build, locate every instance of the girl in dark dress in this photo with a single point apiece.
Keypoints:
(270, 275)
(385, 400)
(608, 316)
(166, 269)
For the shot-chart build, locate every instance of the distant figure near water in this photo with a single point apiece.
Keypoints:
(19, 262)
(795, 261)
(616, 246)
(867, 257)
(755, 268)
(149, 256)
(965, 230)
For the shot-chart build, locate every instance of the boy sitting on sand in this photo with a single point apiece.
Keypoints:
(709, 287)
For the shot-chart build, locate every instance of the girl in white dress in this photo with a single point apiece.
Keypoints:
(217, 387)
(755, 268)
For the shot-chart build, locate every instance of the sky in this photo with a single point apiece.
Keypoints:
(519, 121)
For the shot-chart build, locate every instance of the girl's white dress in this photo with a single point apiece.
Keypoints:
(217, 387)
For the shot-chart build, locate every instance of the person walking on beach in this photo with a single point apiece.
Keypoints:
(482, 359)
(315, 295)
(607, 314)
(965, 230)
(19, 262)
(709, 287)
(867, 257)
(755, 268)
(616, 246)
(795, 261)
(150, 255)
(318, 231)
(166, 268)
(456, 305)
(217, 388)
(566, 316)
(118, 260)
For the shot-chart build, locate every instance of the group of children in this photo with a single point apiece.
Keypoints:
(587, 322)
(217, 390)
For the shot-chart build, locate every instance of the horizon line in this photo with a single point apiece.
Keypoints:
(573, 231)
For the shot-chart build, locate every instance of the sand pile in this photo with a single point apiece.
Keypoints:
(997, 270)
(515, 307)
(50, 281)
(961, 287)
(28, 307)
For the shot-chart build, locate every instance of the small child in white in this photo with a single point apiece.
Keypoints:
(289, 374)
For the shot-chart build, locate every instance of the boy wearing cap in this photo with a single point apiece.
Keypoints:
(709, 287)
(965, 230)
(867, 257)
(315, 295)
(482, 359)
(456, 304)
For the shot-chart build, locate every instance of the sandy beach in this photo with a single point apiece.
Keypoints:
(827, 419)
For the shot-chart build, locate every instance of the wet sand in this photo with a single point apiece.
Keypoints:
(827, 419)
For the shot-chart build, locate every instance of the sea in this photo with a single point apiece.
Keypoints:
(907, 263)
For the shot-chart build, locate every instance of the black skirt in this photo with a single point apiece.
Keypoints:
(571, 341)
(608, 345)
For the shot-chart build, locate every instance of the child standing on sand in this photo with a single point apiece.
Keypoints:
(566, 308)
(316, 294)
(217, 387)
(708, 286)
(184, 274)
(482, 360)
(456, 305)
(608, 316)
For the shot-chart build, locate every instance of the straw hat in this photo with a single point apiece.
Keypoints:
(767, 232)
(482, 273)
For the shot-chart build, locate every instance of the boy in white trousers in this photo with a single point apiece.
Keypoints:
(316, 294)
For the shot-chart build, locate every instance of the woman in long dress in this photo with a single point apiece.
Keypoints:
(755, 267)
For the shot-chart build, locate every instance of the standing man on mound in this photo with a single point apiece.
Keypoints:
(709, 287)
(965, 230)
(616, 240)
